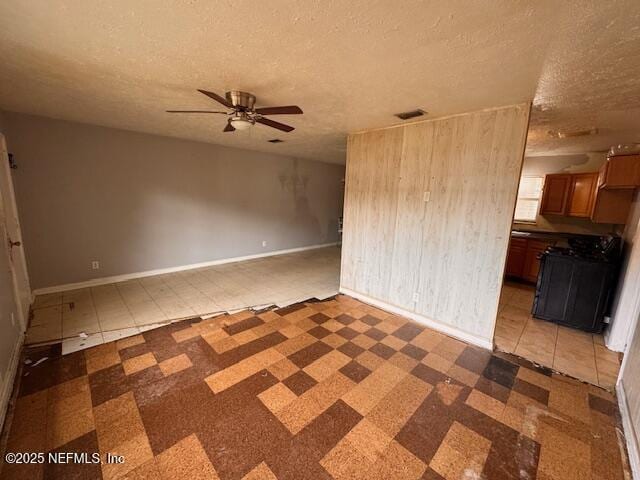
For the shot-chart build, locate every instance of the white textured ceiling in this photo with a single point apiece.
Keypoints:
(349, 64)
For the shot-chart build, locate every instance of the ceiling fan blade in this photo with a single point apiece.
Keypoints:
(195, 111)
(229, 128)
(271, 123)
(288, 110)
(217, 98)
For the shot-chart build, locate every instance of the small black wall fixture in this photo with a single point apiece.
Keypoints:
(12, 162)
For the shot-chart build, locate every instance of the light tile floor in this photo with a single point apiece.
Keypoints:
(91, 316)
(576, 353)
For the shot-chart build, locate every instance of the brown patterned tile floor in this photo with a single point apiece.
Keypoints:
(332, 389)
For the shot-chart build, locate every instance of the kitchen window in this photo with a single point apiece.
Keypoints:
(529, 194)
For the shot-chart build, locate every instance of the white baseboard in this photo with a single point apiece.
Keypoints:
(427, 322)
(629, 431)
(130, 276)
(615, 344)
(9, 379)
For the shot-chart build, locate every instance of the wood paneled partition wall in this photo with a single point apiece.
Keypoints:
(427, 217)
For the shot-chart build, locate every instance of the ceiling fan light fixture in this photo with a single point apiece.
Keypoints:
(241, 121)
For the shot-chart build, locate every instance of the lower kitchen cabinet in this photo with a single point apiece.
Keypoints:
(516, 257)
(523, 259)
(535, 248)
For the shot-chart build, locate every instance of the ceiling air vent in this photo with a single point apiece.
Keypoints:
(412, 114)
(275, 140)
(573, 133)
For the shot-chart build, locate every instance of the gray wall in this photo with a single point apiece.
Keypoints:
(138, 202)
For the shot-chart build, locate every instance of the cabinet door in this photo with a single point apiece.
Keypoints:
(612, 205)
(555, 194)
(621, 171)
(532, 262)
(582, 194)
(516, 257)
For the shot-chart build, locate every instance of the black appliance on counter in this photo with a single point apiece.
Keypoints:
(575, 284)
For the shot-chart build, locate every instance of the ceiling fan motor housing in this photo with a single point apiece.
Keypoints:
(241, 100)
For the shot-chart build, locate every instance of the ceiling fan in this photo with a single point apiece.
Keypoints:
(242, 114)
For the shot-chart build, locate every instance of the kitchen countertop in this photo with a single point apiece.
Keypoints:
(558, 238)
(538, 235)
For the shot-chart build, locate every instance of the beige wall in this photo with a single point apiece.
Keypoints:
(630, 381)
(543, 165)
(451, 250)
(9, 327)
(626, 304)
(138, 202)
(624, 332)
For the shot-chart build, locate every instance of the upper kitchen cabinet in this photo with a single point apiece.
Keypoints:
(555, 194)
(603, 197)
(569, 194)
(612, 205)
(617, 180)
(620, 171)
(582, 193)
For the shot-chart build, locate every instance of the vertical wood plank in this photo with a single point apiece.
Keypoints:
(450, 250)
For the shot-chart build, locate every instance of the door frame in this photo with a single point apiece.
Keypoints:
(22, 287)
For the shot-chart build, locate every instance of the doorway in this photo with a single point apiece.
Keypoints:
(14, 284)
(11, 239)
(575, 352)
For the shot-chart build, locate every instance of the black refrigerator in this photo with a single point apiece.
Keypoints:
(575, 287)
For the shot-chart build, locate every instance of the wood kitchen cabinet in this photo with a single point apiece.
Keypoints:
(535, 248)
(572, 195)
(516, 257)
(612, 206)
(522, 260)
(555, 194)
(617, 180)
(620, 171)
(582, 194)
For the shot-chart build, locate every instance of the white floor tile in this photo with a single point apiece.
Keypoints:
(126, 308)
(74, 344)
(110, 336)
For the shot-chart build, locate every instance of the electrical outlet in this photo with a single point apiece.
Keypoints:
(415, 297)
(264, 243)
(427, 196)
(95, 265)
